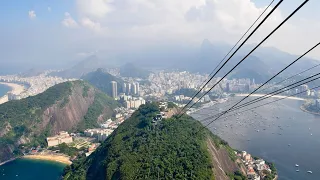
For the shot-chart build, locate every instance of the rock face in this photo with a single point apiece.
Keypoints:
(63, 107)
(65, 118)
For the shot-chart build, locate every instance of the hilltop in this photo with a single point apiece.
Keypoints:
(101, 80)
(131, 70)
(142, 149)
(64, 107)
(85, 66)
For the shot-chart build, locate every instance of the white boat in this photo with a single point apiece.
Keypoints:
(297, 170)
(311, 134)
(310, 172)
(297, 165)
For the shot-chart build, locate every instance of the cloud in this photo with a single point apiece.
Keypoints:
(68, 21)
(32, 14)
(94, 8)
(49, 8)
(187, 22)
(86, 54)
(88, 23)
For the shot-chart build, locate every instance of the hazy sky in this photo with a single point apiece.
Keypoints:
(61, 30)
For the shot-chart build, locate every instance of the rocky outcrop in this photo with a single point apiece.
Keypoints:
(222, 164)
(67, 117)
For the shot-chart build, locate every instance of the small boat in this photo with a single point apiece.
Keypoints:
(297, 170)
(297, 165)
(311, 134)
(310, 172)
(290, 145)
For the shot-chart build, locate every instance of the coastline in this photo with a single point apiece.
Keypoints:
(15, 89)
(48, 157)
(4, 162)
(305, 110)
(275, 96)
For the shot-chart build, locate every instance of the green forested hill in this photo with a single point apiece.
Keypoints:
(66, 106)
(139, 149)
(101, 80)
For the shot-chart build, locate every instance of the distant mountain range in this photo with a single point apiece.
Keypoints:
(31, 72)
(85, 66)
(131, 70)
(64, 107)
(260, 65)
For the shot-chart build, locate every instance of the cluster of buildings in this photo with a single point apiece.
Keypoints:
(167, 82)
(100, 134)
(92, 148)
(107, 127)
(162, 83)
(238, 85)
(304, 91)
(255, 168)
(62, 137)
(129, 94)
(182, 98)
(132, 102)
(127, 89)
(34, 85)
(131, 88)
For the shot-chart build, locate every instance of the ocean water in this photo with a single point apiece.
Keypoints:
(27, 169)
(279, 132)
(4, 89)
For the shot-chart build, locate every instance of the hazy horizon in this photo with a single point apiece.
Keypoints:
(60, 34)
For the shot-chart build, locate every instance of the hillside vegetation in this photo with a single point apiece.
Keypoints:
(67, 106)
(101, 80)
(140, 149)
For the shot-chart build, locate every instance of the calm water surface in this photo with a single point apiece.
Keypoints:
(279, 132)
(25, 169)
(4, 89)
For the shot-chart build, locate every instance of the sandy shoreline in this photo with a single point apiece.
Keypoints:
(4, 162)
(15, 89)
(275, 96)
(49, 157)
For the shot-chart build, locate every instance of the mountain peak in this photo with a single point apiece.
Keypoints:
(206, 42)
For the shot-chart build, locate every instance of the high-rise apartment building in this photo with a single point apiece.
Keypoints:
(134, 88)
(128, 88)
(114, 89)
(138, 87)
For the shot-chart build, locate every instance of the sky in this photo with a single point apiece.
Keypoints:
(56, 31)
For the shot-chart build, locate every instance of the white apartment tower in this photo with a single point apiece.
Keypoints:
(114, 91)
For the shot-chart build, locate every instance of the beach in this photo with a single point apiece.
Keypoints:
(15, 89)
(50, 157)
(275, 96)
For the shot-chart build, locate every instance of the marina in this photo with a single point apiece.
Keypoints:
(284, 140)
